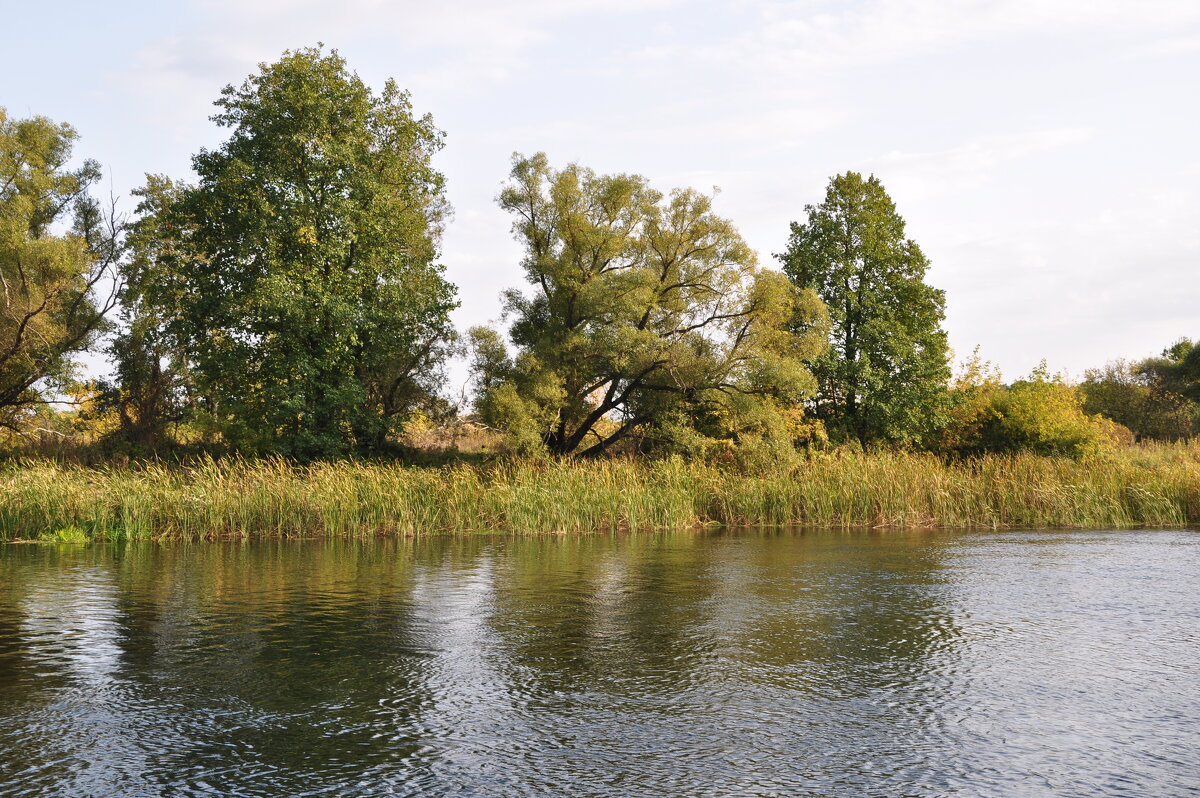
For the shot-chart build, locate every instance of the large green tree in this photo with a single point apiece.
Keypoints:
(884, 375)
(57, 255)
(648, 319)
(297, 280)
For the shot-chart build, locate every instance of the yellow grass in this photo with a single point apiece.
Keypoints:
(1153, 486)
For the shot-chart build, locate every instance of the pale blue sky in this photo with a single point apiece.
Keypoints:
(1044, 152)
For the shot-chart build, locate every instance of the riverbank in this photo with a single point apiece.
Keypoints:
(1151, 486)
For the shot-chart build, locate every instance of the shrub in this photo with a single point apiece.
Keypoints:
(1042, 414)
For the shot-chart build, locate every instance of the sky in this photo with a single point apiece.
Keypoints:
(1044, 153)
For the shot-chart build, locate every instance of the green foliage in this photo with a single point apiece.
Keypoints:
(884, 375)
(1178, 369)
(148, 389)
(1143, 397)
(648, 320)
(294, 292)
(1042, 414)
(970, 405)
(66, 534)
(50, 308)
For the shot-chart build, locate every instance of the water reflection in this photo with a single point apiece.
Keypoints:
(750, 663)
(751, 657)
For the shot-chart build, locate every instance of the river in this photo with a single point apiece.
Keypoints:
(724, 663)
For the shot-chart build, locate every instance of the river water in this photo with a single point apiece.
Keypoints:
(717, 664)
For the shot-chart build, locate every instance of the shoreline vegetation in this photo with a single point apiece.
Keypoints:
(1150, 485)
(278, 330)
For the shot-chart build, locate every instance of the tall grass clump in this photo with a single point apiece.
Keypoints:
(1140, 486)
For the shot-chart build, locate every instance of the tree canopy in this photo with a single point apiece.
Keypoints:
(884, 375)
(648, 318)
(1177, 369)
(297, 280)
(57, 254)
(1158, 397)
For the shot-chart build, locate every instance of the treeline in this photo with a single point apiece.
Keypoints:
(291, 301)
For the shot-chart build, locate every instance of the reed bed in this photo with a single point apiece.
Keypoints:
(1145, 486)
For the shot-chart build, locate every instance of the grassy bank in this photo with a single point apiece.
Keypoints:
(1157, 486)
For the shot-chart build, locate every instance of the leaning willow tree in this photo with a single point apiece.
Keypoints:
(297, 282)
(648, 319)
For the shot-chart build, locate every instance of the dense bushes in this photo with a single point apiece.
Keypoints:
(1042, 414)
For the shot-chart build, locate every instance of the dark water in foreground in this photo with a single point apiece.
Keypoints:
(754, 664)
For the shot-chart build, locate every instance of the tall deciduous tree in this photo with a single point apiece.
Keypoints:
(885, 373)
(298, 278)
(149, 389)
(648, 317)
(56, 285)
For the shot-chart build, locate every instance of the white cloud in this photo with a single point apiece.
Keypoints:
(1167, 46)
(837, 33)
(450, 48)
(968, 165)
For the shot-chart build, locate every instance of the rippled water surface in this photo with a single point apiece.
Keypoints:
(720, 664)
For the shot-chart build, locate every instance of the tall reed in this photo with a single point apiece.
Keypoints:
(1158, 486)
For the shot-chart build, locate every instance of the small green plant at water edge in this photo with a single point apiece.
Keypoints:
(65, 534)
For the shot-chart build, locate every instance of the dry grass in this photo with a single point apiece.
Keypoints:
(1152, 486)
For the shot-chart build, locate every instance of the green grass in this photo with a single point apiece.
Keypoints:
(1144, 486)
